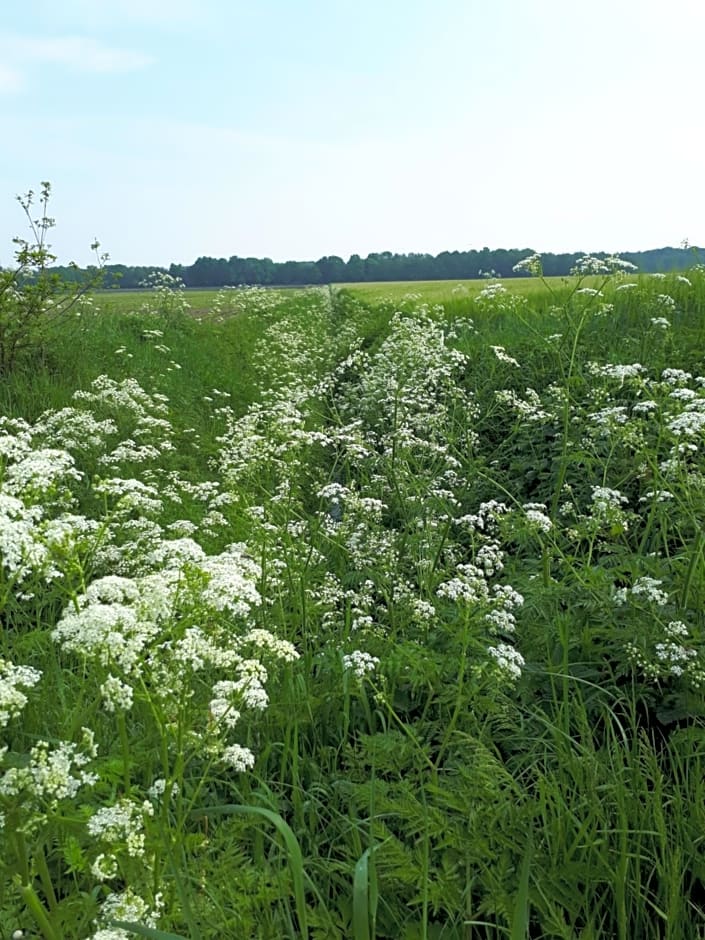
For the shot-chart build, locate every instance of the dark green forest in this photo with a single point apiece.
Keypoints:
(383, 266)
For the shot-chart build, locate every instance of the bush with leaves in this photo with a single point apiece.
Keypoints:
(32, 296)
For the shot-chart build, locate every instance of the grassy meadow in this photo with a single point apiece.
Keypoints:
(372, 613)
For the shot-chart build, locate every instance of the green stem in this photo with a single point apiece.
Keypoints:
(545, 565)
(125, 745)
(692, 567)
(22, 857)
(563, 469)
(36, 909)
(458, 698)
(45, 878)
(407, 730)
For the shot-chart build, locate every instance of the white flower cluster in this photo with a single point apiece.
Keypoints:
(121, 824)
(52, 773)
(671, 657)
(13, 679)
(665, 300)
(503, 356)
(645, 407)
(238, 757)
(676, 376)
(660, 323)
(508, 660)
(127, 495)
(491, 292)
(537, 518)
(74, 429)
(117, 695)
(231, 581)
(117, 620)
(589, 292)
(20, 551)
(605, 499)
(611, 418)
(468, 586)
(360, 663)
(620, 371)
(498, 604)
(130, 908)
(529, 408)
(590, 264)
(37, 475)
(530, 265)
(647, 588)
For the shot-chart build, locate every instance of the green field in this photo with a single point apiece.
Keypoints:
(439, 291)
(374, 612)
(201, 301)
(196, 302)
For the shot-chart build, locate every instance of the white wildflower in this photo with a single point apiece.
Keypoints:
(105, 867)
(536, 518)
(121, 824)
(238, 757)
(589, 292)
(650, 590)
(676, 376)
(53, 773)
(117, 695)
(619, 371)
(604, 499)
(12, 680)
(130, 908)
(508, 660)
(531, 265)
(503, 356)
(232, 581)
(158, 789)
(360, 663)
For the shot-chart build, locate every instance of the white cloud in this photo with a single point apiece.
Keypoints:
(81, 53)
(157, 11)
(162, 13)
(10, 80)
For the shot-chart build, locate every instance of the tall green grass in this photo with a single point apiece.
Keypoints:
(428, 792)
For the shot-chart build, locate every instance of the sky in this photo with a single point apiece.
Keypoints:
(294, 129)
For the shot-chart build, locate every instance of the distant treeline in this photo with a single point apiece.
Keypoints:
(385, 266)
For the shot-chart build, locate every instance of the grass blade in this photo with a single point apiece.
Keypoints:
(361, 898)
(290, 841)
(151, 932)
(520, 921)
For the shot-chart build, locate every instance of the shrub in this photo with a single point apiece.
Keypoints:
(33, 297)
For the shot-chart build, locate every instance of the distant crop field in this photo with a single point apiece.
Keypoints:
(130, 301)
(195, 302)
(202, 302)
(439, 291)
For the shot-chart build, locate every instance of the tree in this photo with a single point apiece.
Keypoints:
(332, 269)
(207, 272)
(355, 269)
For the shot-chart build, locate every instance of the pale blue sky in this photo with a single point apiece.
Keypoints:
(176, 128)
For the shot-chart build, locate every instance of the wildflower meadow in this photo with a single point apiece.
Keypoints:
(353, 618)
